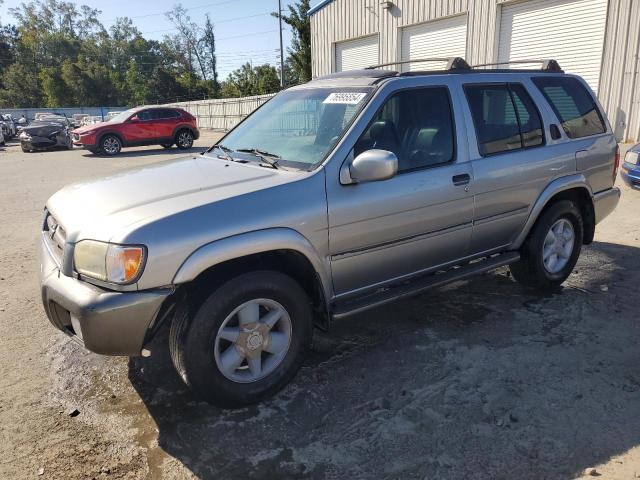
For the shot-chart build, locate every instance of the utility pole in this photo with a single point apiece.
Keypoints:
(281, 51)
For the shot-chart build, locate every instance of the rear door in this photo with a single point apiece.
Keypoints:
(512, 157)
(386, 230)
(165, 122)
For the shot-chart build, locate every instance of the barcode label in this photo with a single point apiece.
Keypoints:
(348, 98)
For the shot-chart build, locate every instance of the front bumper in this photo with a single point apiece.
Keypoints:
(605, 202)
(34, 143)
(104, 321)
(631, 175)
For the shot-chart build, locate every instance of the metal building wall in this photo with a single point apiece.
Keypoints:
(619, 90)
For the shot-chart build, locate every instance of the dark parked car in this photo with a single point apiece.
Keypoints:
(45, 133)
(630, 171)
(139, 126)
(10, 125)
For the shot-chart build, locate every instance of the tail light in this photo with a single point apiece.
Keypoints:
(616, 164)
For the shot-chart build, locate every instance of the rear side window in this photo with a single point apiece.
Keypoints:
(504, 116)
(573, 105)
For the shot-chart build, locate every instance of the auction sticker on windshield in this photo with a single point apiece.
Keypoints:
(348, 98)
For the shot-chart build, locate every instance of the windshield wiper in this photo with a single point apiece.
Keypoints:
(264, 156)
(225, 151)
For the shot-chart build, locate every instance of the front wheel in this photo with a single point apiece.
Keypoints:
(246, 341)
(552, 248)
(110, 145)
(184, 139)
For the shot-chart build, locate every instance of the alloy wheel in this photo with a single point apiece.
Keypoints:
(558, 245)
(253, 340)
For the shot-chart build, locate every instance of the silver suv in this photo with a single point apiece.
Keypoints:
(337, 196)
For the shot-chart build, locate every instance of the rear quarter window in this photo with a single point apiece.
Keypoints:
(573, 104)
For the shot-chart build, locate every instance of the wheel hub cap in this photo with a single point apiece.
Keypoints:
(558, 246)
(253, 340)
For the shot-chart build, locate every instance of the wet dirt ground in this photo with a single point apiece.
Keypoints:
(479, 379)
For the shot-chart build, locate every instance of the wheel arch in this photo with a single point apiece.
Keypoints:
(101, 135)
(183, 127)
(279, 249)
(574, 188)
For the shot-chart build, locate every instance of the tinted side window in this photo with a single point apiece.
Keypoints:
(494, 117)
(144, 115)
(166, 113)
(416, 125)
(573, 105)
(528, 116)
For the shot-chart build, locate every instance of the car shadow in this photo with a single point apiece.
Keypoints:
(479, 379)
(148, 152)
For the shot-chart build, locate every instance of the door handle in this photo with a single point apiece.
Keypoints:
(462, 179)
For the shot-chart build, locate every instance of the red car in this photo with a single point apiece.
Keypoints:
(139, 126)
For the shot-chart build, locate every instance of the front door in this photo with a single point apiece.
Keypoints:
(419, 219)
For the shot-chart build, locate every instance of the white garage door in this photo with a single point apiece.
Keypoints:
(358, 53)
(570, 31)
(441, 38)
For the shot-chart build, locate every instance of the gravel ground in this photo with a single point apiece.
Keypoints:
(479, 379)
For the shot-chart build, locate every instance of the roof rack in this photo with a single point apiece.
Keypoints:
(453, 63)
(548, 65)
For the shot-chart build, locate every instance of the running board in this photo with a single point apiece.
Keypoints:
(420, 284)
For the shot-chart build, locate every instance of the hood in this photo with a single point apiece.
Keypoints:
(88, 128)
(43, 130)
(103, 209)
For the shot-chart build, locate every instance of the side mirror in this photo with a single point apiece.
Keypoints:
(134, 119)
(373, 165)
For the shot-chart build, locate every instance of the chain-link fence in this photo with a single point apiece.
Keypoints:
(221, 114)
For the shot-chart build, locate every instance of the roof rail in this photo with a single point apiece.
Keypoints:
(453, 63)
(549, 65)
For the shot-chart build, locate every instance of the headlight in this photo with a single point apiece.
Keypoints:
(109, 262)
(632, 157)
(90, 132)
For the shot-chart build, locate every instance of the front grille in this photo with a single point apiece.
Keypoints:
(55, 236)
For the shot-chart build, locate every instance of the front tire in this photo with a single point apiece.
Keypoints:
(184, 139)
(246, 341)
(110, 145)
(551, 250)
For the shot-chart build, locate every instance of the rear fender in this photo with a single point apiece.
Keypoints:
(558, 185)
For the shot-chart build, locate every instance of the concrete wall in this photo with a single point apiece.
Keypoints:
(619, 88)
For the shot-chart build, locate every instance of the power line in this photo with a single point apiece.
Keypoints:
(214, 23)
(163, 13)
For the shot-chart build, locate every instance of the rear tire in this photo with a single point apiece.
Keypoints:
(551, 250)
(110, 145)
(246, 341)
(184, 139)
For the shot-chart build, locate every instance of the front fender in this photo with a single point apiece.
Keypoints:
(558, 185)
(242, 245)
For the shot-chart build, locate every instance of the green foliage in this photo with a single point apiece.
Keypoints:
(300, 51)
(247, 81)
(57, 53)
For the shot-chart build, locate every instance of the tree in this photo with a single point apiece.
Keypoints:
(209, 40)
(188, 36)
(247, 81)
(21, 87)
(300, 50)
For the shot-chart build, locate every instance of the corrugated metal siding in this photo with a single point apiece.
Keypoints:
(619, 87)
(439, 38)
(359, 53)
(570, 31)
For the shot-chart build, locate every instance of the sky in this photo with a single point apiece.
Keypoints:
(245, 30)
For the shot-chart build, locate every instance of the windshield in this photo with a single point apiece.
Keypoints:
(122, 116)
(299, 127)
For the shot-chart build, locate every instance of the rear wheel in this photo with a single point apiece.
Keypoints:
(110, 145)
(184, 139)
(552, 248)
(246, 341)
